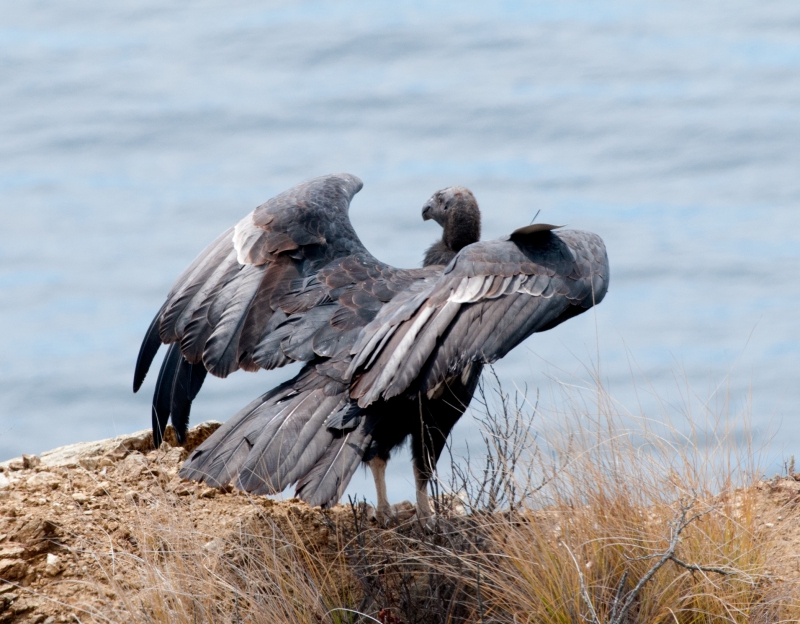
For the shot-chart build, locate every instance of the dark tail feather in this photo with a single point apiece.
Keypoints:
(218, 460)
(325, 483)
(162, 398)
(284, 437)
(289, 447)
(147, 351)
(306, 454)
(186, 384)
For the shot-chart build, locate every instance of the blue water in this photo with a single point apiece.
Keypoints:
(132, 133)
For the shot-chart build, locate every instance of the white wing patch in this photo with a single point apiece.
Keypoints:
(474, 289)
(399, 354)
(245, 237)
(471, 289)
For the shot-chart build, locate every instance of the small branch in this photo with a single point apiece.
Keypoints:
(676, 528)
(689, 566)
(618, 595)
(587, 599)
(697, 568)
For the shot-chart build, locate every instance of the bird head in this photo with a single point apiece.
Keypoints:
(456, 210)
(454, 200)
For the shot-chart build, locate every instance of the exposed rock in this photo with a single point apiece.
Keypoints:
(23, 605)
(101, 489)
(194, 437)
(52, 565)
(37, 535)
(183, 489)
(73, 454)
(208, 492)
(12, 569)
(44, 481)
(133, 467)
(30, 461)
(11, 552)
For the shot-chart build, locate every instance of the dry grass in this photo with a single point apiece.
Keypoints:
(635, 522)
(612, 519)
(267, 570)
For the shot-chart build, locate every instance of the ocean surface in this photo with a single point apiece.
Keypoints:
(132, 133)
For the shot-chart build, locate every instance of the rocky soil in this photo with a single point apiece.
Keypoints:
(64, 514)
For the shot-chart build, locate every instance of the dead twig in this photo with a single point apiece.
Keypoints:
(618, 595)
(619, 611)
(677, 527)
(587, 599)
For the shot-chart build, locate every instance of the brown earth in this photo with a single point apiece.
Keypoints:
(59, 510)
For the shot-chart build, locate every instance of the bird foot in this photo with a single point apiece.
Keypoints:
(386, 516)
(426, 519)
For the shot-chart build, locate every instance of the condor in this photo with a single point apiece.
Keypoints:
(389, 353)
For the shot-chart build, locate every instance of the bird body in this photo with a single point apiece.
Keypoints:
(389, 353)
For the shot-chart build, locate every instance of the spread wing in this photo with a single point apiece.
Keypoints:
(290, 282)
(490, 298)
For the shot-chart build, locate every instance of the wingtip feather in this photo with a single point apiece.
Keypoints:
(148, 350)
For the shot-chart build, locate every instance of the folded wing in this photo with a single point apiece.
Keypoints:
(491, 297)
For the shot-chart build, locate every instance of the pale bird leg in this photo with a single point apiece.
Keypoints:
(423, 502)
(378, 468)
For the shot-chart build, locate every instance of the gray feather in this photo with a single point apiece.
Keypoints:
(325, 483)
(278, 447)
(187, 294)
(221, 350)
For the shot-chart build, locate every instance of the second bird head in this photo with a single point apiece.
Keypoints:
(452, 199)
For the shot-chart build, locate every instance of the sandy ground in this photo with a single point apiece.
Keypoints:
(59, 510)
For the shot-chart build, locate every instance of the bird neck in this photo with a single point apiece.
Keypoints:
(462, 228)
(438, 253)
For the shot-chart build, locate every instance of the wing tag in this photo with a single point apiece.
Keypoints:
(536, 228)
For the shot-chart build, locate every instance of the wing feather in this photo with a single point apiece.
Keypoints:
(488, 300)
(222, 347)
(325, 483)
(211, 259)
(162, 398)
(148, 350)
(187, 381)
(200, 326)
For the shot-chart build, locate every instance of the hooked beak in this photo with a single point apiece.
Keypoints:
(426, 210)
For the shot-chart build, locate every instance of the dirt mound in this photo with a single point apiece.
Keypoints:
(69, 518)
(58, 509)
